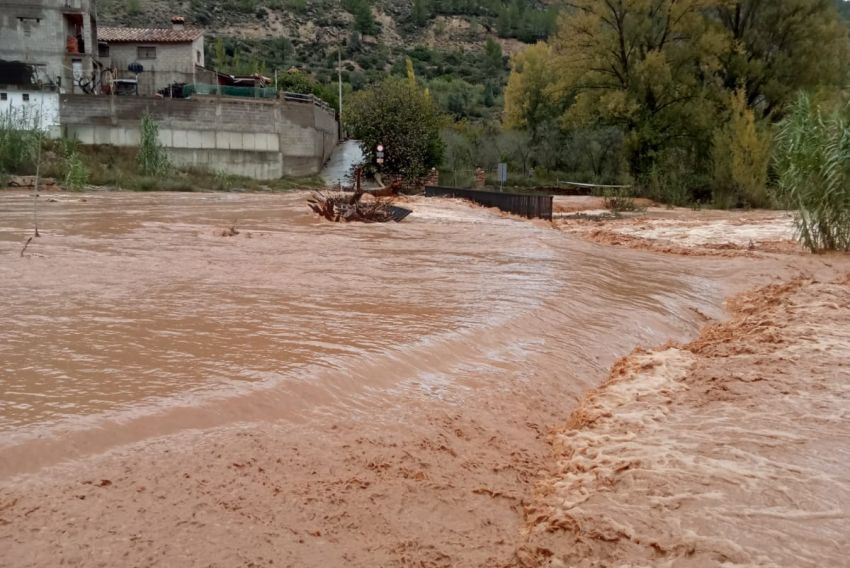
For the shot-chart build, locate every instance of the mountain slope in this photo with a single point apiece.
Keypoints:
(458, 47)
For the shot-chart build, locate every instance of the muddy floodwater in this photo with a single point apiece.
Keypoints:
(129, 303)
(390, 386)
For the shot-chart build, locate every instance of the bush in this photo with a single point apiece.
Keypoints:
(402, 117)
(619, 200)
(813, 166)
(740, 156)
(76, 174)
(19, 142)
(152, 158)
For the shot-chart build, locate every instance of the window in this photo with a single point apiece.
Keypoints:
(103, 50)
(198, 57)
(146, 52)
(27, 25)
(26, 97)
(4, 97)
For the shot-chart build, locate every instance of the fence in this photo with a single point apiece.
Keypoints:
(526, 205)
(228, 91)
(253, 92)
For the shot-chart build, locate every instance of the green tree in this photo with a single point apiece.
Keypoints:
(529, 101)
(404, 120)
(364, 21)
(493, 58)
(778, 48)
(639, 65)
(741, 155)
(420, 13)
(219, 55)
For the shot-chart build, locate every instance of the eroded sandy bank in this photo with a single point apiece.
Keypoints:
(730, 450)
(682, 231)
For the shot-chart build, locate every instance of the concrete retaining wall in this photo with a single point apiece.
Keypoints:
(261, 139)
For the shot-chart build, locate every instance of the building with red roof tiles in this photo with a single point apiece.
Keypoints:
(165, 56)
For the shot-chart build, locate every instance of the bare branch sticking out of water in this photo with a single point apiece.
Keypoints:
(345, 208)
(26, 244)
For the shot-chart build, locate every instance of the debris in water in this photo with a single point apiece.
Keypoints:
(338, 207)
(231, 231)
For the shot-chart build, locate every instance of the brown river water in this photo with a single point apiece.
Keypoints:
(381, 391)
(130, 305)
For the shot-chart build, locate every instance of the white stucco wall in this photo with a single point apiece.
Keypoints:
(41, 111)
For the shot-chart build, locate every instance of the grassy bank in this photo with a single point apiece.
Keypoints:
(118, 168)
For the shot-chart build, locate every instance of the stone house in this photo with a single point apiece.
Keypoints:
(27, 108)
(55, 39)
(166, 55)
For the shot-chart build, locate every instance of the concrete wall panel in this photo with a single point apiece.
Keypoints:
(262, 139)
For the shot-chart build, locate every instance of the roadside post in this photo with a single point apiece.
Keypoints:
(503, 175)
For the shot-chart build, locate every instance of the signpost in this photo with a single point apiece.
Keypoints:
(503, 175)
(380, 154)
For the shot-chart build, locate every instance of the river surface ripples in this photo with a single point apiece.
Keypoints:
(130, 305)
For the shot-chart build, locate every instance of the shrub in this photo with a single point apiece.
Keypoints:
(813, 166)
(152, 158)
(619, 200)
(403, 118)
(76, 174)
(740, 155)
(673, 180)
(19, 142)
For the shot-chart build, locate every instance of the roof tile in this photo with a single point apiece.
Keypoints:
(148, 35)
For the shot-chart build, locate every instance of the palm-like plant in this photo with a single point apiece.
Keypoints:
(813, 163)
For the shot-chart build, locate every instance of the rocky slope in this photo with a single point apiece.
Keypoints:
(438, 24)
(458, 48)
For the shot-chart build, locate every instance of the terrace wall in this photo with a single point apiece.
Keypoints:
(260, 139)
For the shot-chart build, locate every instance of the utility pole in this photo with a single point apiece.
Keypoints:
(339, 79)
(339, 74)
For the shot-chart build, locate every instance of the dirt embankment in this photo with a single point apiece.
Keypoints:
(681, 231)
(730, 450)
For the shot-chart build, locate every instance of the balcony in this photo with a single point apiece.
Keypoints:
(72, 7)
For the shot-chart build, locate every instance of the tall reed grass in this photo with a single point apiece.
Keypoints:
(20, 139)
(812, 161)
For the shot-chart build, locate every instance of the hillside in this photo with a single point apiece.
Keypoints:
(460, 48)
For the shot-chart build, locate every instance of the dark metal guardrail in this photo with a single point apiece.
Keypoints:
(526, 205)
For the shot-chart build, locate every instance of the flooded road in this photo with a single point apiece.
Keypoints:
(301, 392)
(344, 157)
(133, 305)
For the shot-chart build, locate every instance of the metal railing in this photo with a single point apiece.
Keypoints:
(229, 91)
(526, 205)
(253, 92)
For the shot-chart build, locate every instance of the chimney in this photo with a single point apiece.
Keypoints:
(178, 22)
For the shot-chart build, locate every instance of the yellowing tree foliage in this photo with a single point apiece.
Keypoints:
(528, 97)
(663, 72)
(741, 155)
